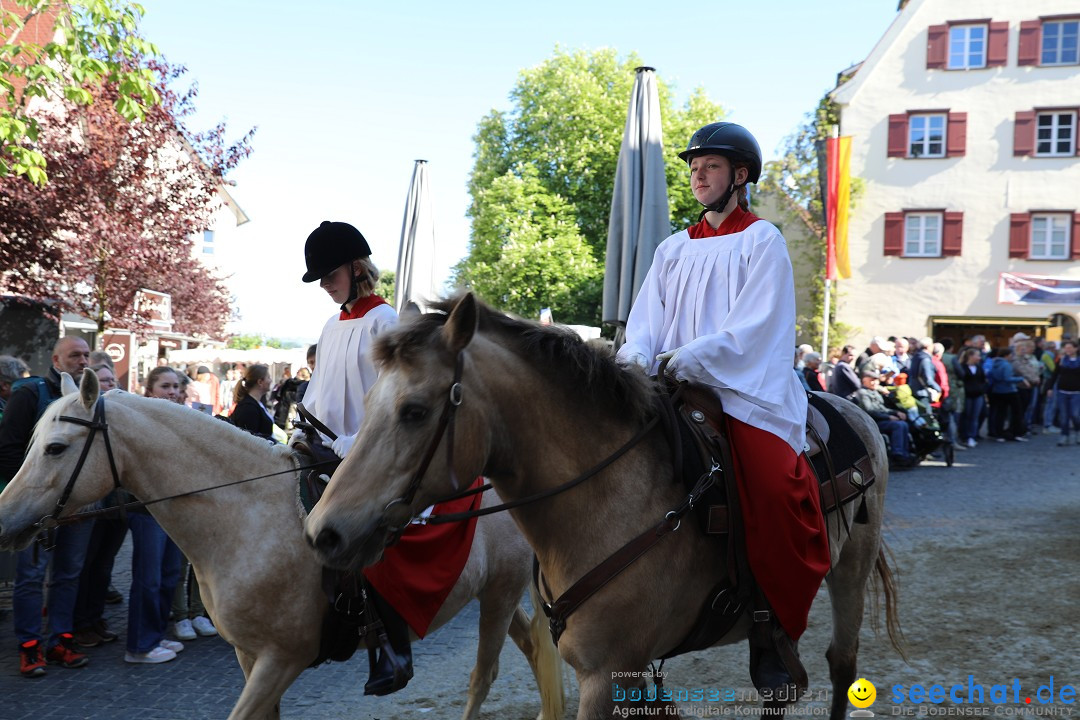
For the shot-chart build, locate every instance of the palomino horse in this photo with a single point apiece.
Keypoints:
(532, 407)
(258, 578)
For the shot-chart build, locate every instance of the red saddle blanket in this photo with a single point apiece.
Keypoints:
(417, 574)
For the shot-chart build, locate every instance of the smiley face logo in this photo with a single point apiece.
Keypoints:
(862, 693)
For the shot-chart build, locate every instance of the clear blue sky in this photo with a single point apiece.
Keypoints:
(347, 94)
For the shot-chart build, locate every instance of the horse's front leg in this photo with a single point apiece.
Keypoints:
(268, 678)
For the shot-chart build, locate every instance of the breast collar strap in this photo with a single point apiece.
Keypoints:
(50, 521)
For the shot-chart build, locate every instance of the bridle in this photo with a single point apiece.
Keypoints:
(97, 423)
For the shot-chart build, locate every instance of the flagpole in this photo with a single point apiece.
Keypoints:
(834, 133)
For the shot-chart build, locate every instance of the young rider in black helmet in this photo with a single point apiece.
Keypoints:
(719, 304)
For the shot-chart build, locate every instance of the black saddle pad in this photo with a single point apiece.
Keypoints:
(845, 446)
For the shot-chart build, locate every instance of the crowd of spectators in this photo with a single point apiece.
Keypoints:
(968, 394)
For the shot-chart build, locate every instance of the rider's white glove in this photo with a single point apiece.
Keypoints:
(636, 360)
(296, 435)
(342, 444)
(672, 357)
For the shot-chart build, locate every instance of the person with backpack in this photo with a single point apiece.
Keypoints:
(63, 564)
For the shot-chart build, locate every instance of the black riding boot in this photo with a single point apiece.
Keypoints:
(392, 670)
(774, 662)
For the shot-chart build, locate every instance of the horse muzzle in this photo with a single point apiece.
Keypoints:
(341, 547)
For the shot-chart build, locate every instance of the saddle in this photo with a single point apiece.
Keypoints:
(840, 462)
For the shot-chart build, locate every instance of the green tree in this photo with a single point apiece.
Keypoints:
(385, 287)
(562, 140)
(528, 252)
(97, 44)
(244, 342)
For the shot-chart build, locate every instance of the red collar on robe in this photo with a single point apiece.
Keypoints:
(737, 221)
(362, 307)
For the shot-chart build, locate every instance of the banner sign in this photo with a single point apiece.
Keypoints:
(1018, 289)
(158, 308)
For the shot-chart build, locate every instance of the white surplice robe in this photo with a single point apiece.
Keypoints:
(344, 371)
(729, 303)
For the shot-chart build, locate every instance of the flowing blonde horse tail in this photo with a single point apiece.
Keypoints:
(547, 661)
(884, 566)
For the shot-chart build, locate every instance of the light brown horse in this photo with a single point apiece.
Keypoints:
(537, 407)
(259, 581)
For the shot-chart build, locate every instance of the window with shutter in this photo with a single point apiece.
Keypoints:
(1028, 54)
(952, 234)
(926, 136)
(1024, 133)
(1055, 133)
(967, 47)
(1019, 227)
(937, 47)
(898, 135)
(997, 49)
(922, 234)
(956, 144)
(894, 233)
(1059, 44)
(1050, 236)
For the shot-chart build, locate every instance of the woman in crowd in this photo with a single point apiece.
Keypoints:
(973, 378)
(1066, 379)
(249, 413)
(155, 563)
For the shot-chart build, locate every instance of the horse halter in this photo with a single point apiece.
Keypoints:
(446, 427)
(51, 521)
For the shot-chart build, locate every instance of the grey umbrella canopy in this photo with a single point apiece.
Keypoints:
(640, 218)
(415, 277)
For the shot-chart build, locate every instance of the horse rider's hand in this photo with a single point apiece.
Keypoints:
(672, 357)
(296, 436)
(636, 360)
(342, 444)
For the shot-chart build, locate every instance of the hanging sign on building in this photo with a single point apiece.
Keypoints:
(158, 308)
(120, 345)
(1019, 289)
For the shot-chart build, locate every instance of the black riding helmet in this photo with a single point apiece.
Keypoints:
(730, 140)
(330, 246)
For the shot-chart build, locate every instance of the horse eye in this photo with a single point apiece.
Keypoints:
(55, 448)
(413, 413)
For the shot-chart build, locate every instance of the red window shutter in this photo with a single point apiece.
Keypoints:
(956, 138)
(937, 46)
(1024, 133)
(1030, 39)
(898, 132)
(1076, 236)
(997, 49)
(1019, 235)
(894, 233)
(952, 234)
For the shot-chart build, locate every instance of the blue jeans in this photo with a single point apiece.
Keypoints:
(28, 596)
(155, 571)
(973, 407)
(899, 436)
(1069, 412)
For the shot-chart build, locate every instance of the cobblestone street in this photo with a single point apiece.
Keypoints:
(987, 553)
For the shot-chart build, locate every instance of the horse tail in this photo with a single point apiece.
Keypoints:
(547, 661)
(884, 566)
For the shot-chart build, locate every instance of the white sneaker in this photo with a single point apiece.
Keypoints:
(157, 655)
(971, 442)
(203, 626)
(171, 645)
(183, 630)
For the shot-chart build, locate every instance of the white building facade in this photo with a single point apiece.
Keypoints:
(964, 123)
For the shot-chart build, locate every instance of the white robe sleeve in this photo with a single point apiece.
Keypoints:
(644, 325)
(753, 348)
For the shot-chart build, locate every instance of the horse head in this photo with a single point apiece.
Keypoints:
(50, 464)
(400, 462)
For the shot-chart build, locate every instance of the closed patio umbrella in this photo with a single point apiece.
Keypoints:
(415, 277)
(640, 218)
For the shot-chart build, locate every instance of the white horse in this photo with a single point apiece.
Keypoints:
(259, 580)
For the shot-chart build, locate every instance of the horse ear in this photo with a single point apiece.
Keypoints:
(67, 385)
(461, 325)
(89, 388)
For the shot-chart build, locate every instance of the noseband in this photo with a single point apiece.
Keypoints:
(50, 521)
(446, 427)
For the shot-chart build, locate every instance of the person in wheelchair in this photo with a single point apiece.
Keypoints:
(891, 421)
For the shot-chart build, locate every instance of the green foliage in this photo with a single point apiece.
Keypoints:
(561, 142)
(254, 342)
(98, 43)
(528, 253)
(385, 287)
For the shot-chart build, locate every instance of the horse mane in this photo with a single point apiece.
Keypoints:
(183, 419)
(584, 370)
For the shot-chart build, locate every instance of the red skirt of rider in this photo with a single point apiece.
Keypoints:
(417, 573)
(786, 539)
